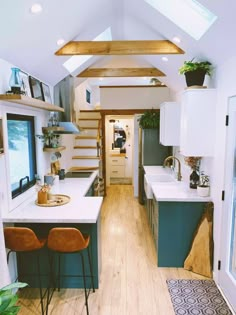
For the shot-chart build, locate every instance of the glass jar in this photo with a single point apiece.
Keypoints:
(15, 81)
(194, 179)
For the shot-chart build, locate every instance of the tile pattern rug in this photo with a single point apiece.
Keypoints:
(121, 181)
(196, 297)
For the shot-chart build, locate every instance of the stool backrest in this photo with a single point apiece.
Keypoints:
(66, 240)
(21, 239)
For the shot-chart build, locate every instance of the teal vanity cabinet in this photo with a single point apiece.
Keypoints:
(173, 227)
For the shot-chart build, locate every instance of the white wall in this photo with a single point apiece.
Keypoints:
(43, 162)
(133, 97)
(80, 96)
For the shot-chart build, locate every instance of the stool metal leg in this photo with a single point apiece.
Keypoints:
(91, 268)
(84, 279)
(59, 272)
(40, 284)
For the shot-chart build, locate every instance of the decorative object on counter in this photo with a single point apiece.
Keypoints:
(43, 191)
(35, 88)
(200, 257)
(38, 179)
(193, 179)
(195, 72)
(150, 119)
(15, 81)
(203, 188)
(49, 179)
(54, 201)
(9, 297)
(61, 174)
(194, 163)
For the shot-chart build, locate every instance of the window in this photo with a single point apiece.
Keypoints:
(88, 96)
(189, 15)
(22, 154)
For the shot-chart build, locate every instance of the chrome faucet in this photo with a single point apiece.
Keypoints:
(171, 157)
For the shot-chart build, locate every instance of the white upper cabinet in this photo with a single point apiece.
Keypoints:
(170, 124)
(197, 133)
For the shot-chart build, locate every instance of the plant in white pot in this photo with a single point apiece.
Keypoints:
(203, 189)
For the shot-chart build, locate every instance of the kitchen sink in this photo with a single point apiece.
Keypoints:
(152, 178)
(78, 174)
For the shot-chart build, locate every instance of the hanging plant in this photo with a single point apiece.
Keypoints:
(150, 119)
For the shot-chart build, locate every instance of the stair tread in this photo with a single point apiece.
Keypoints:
(85, 147)
(93, 119)
(85, 137)
(90, 128)
(80, 157)
(83, 168)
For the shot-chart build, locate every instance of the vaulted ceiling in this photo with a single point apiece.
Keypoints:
(30, 41)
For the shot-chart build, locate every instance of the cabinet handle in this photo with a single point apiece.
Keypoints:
(114, 171)
(114, 160)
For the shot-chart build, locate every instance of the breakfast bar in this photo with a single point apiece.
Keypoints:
(82, 212)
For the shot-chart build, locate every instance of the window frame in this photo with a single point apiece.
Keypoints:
(32, 151)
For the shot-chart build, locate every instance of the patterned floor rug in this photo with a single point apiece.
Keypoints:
(197, 297)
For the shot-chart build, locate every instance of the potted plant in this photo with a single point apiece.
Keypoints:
(150, 119)
(8, 299)
(195, 71)
(203, 189)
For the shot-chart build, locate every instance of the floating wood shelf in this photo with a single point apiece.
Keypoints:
(29, 101)
(54, 149)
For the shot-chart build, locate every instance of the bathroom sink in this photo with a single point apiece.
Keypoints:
(152, 178)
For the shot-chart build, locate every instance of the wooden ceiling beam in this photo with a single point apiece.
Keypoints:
(120, 72)
(125, 47)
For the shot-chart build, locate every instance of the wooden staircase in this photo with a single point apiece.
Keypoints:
(87, 145)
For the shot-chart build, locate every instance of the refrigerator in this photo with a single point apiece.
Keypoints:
(151, 152)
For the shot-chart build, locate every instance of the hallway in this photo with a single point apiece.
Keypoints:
(131, 283)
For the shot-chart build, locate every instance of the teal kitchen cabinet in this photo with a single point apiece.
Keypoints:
(173, 227)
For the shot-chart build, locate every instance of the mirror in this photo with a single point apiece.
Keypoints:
(119, 136)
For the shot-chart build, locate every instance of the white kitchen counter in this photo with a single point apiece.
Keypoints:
(176, 191)
(80, 209)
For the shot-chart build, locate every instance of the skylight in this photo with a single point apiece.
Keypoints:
(75, 62)
(191, 16)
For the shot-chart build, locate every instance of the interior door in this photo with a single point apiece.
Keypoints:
(227, 275)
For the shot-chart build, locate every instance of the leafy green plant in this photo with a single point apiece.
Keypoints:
(49, 139)
(8, 298)
(150, 119)
(198, 65)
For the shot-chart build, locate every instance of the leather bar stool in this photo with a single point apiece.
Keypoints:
(69, 240)
(23, 240)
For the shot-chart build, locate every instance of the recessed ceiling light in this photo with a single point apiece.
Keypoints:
(176, 39)
(101, 79)
(60, 41)
(36, 8)
(164, 59)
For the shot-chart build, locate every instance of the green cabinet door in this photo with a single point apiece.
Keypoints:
(177, 223)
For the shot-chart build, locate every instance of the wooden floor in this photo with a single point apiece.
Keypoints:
(131, 283)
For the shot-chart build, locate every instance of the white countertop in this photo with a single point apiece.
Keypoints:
(80, 209)
(171, 191)
(176, 191)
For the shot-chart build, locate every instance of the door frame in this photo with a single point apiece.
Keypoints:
(226, 281)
